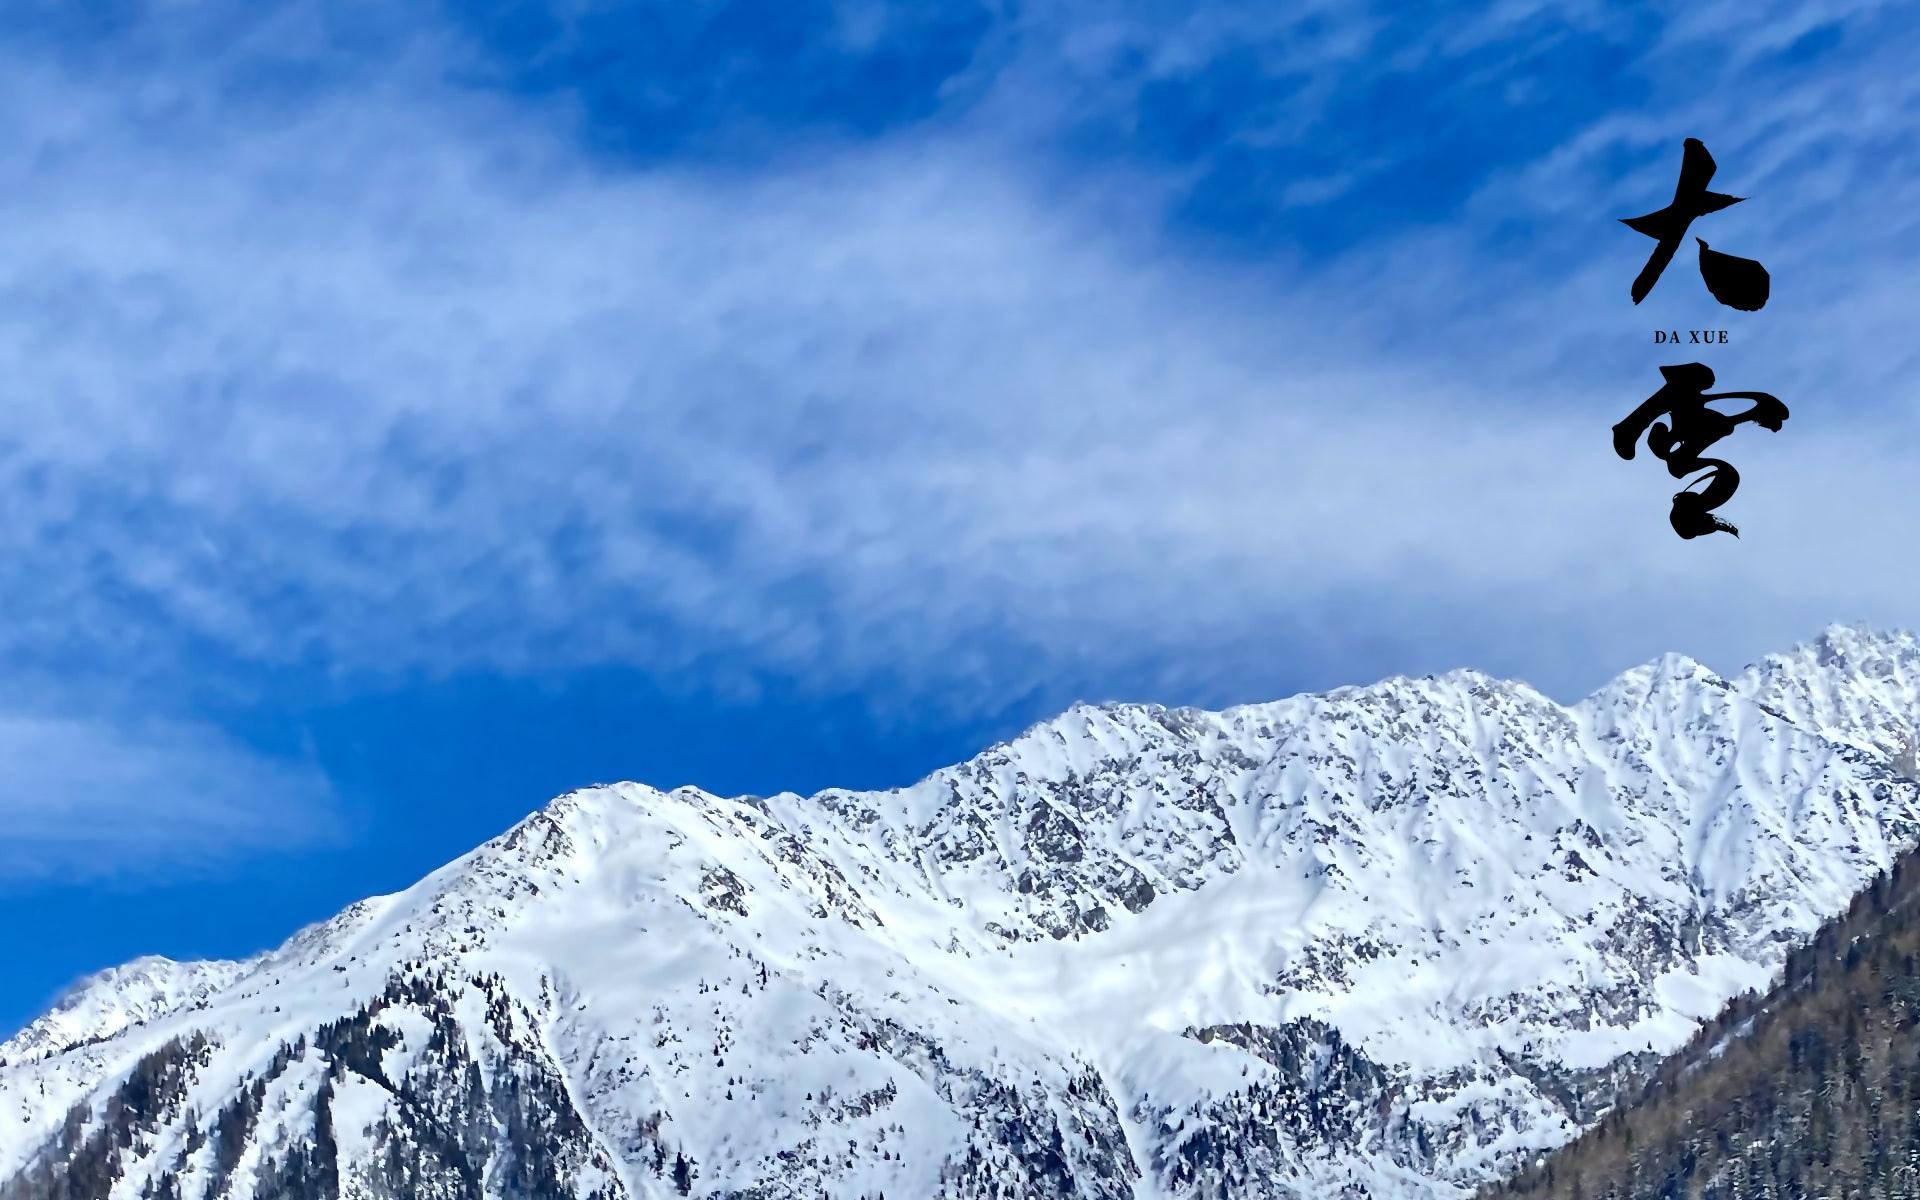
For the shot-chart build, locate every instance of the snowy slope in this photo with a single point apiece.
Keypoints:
(1381, 941)
(105, 1003)
(1852, 684)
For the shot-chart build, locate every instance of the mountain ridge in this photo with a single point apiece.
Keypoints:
(1096, 956)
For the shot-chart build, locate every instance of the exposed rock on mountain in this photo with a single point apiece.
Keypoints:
(1811, 1089)
(1382, 941)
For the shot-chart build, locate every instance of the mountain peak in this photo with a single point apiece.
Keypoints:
(1844, 648)
(1854, 683)
(1388, 937)
(1668, 675)
(1839, 644)
(114, 999)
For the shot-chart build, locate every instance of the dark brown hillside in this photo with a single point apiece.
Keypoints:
(1812, 1090)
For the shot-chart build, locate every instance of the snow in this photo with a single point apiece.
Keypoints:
(118, 998)
(1454, 873)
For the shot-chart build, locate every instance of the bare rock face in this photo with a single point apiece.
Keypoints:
(1385, 941)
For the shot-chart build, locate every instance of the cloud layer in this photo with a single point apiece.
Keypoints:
(391, 357)
(84, 797)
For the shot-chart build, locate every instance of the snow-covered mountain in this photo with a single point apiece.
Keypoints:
(1383, 941)
(103, 1004)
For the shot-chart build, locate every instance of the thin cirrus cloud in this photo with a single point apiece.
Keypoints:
(85, 797)
(407, 377)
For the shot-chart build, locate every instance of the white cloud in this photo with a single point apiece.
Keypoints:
(400, 381)
(87, 797)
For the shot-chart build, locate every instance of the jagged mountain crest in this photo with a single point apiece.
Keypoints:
(117, 998)
(1853, 684)
(1388, 938)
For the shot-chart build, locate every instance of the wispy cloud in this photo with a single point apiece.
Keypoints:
(86, 798)
(397, 376)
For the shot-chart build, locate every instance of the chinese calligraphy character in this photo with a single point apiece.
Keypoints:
(1694, 427)
(1736, 282)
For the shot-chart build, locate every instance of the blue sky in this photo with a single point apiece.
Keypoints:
(414, 412)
